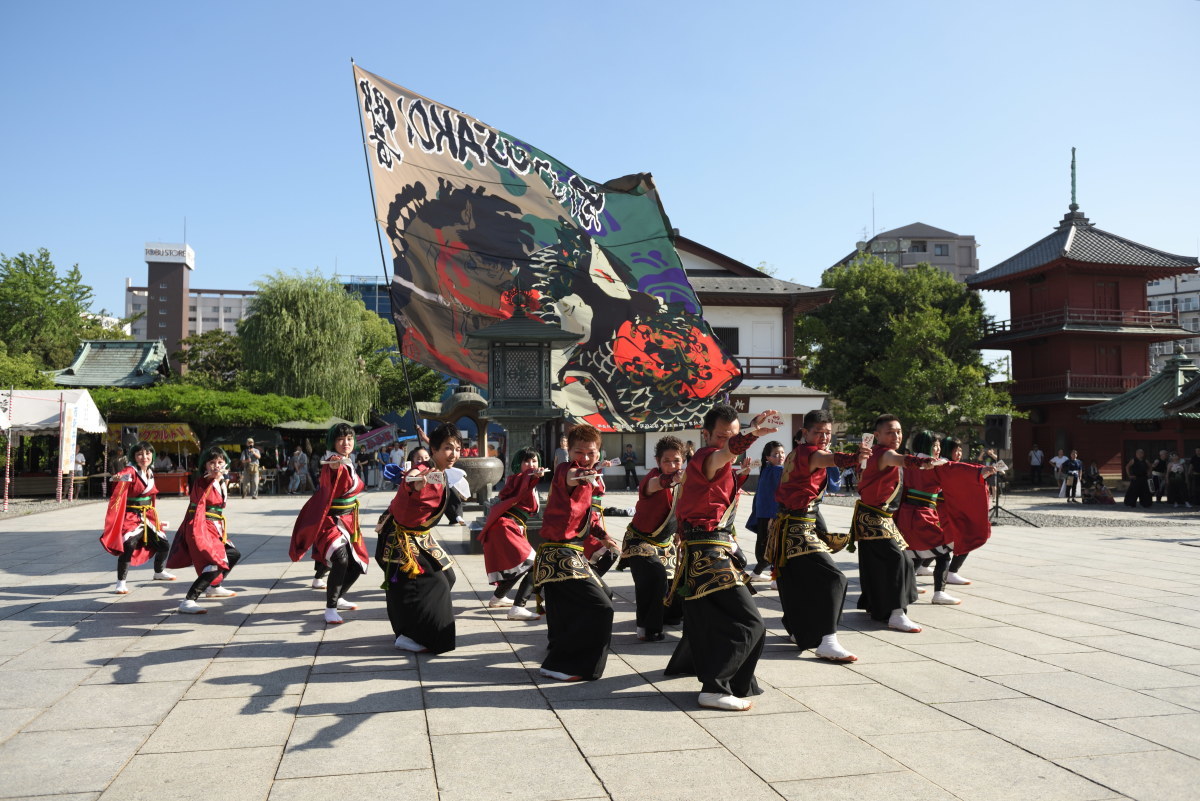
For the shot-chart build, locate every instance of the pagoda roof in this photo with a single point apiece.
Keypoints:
(1077, 240)
(115, 363)
(1150, 400)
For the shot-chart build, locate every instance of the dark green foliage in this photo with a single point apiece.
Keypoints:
(206, 407)
(900, 341)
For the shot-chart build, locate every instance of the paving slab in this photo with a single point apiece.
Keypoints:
(454, 709)
(58, 762)
(1153, 776)
(605, 727)
(246, 773)
(467, 767)
(212, 724)
(1044, 729)
(867, 709)
(1178, 732)
(977, 766)
(99, 706)
(680, 776)
(894, 786)
(334, 745)
(398, 784)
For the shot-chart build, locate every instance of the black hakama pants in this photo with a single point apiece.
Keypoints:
(649, 589)
(420, 607)
(579, 618)
(887, 578)
(723, 635)
(812, 591)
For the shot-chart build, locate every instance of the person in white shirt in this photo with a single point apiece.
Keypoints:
(1036, 459)
(1057, 461)
(80, 463)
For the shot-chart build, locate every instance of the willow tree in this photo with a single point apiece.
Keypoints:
(305, 335)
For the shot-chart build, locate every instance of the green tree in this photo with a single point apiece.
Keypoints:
(21, 370)
(213, 359)
(900, 341)
(45, 314)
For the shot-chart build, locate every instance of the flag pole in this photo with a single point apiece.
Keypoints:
(382, 258)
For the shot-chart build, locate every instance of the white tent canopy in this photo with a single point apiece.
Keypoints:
(36, 411)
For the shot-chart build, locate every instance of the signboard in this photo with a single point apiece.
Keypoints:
(66, 440)
(741, 403)
(160, 252)
(377, 438)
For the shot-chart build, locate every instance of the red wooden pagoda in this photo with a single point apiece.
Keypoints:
(1079, 332)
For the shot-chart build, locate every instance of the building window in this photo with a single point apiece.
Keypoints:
(216, 309)
(163, 285)
(918, 246)
(729, 338)
(137, 307)
(210, 319)
(229, 310)
(941, 250)
(191, 308)
(162, 325)
(162, 311)
(162, 298)
(1189, 304)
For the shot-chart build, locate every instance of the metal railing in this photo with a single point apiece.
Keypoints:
(768, 366)
(1076, 382)
(1100, 318)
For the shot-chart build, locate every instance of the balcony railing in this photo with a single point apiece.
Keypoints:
(1099, 318)
(769, 366)
(1077, 382)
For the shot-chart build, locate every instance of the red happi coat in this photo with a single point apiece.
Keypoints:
(920, 525)
(319, 530)
(505, 547)
(703, 503)
(964, 506)
(120, 520)
(200, 541)
(652, 507)
(569, 514)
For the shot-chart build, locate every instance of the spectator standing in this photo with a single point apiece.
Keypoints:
(1158, 476)
(560, 453)
(119, 461)
(298, 464)
(251, 468)
(1036, 459)
(629, 462)
(1138, 471)
(163, 463)
(80, 462)
(1193, 472)
(1057, 462)
(1176, 482)
(1072, 470)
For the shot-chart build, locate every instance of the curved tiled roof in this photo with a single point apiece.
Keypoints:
(1078, 240)
(115, 363)
(1146, 401)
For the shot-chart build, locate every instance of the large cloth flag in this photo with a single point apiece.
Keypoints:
(483, 225)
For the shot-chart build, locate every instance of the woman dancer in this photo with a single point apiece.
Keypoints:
(132, 530)
(202, 540)
(328, 523)
(765, 504)
(418, 573)
(648, 548)
(507, 554)
(917, 517)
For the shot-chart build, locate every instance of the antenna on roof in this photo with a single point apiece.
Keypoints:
(1074, 204)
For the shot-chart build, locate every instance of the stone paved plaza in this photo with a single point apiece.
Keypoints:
(1071, 671)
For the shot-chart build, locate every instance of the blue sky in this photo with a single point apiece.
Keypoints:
(768, 126)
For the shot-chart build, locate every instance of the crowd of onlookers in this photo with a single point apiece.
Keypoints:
(1167, 479)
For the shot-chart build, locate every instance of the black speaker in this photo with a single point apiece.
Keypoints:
(997, 431)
